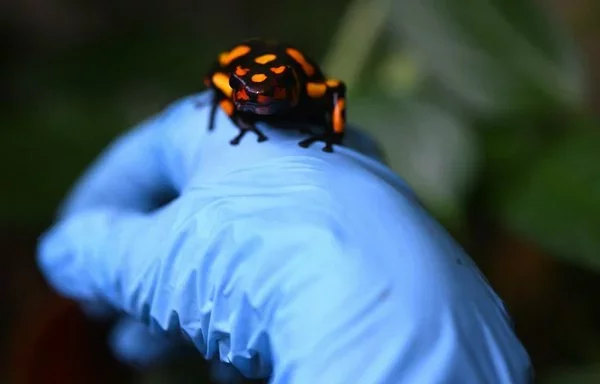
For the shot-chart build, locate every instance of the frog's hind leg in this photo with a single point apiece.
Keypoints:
(246, 126)
(327, 137)
(332, 93)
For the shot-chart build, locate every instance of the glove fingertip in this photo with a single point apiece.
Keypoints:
(133, 344)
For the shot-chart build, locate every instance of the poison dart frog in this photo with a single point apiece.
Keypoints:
(258, 80)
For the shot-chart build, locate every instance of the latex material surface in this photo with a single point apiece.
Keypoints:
(307, 266)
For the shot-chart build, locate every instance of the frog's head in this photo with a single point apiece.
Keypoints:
(265, 89)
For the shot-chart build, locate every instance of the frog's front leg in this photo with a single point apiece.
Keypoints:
(331, 94)
(245, 125)
(214, 104)
(218, 82)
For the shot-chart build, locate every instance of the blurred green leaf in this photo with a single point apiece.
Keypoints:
(360, 27)
(63, 137)
(431, 148)
(573, 375)
(495, 55)
(80, 101)
(553, 196)
(399, 75)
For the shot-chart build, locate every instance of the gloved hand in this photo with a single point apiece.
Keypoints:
(308, 266)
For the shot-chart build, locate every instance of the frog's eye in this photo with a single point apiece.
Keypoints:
(287, 77)
(234, 82)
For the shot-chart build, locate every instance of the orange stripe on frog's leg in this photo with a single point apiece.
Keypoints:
(227, 107)
(339, 116)
(316, 90)
(221, 82)
(337, 91)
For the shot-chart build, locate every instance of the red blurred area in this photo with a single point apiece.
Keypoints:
(49, 339)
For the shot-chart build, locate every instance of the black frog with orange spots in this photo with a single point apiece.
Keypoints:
(258, 80)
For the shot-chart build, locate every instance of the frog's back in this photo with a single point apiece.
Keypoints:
(259, 47)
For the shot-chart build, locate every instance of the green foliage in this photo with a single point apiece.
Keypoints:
(574, 375)
(553, 198)
(495, 55)
(516, 79)
(433, 149)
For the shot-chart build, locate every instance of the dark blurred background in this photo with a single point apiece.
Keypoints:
(488, 108)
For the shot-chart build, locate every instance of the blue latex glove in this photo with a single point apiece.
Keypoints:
(308, 266)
